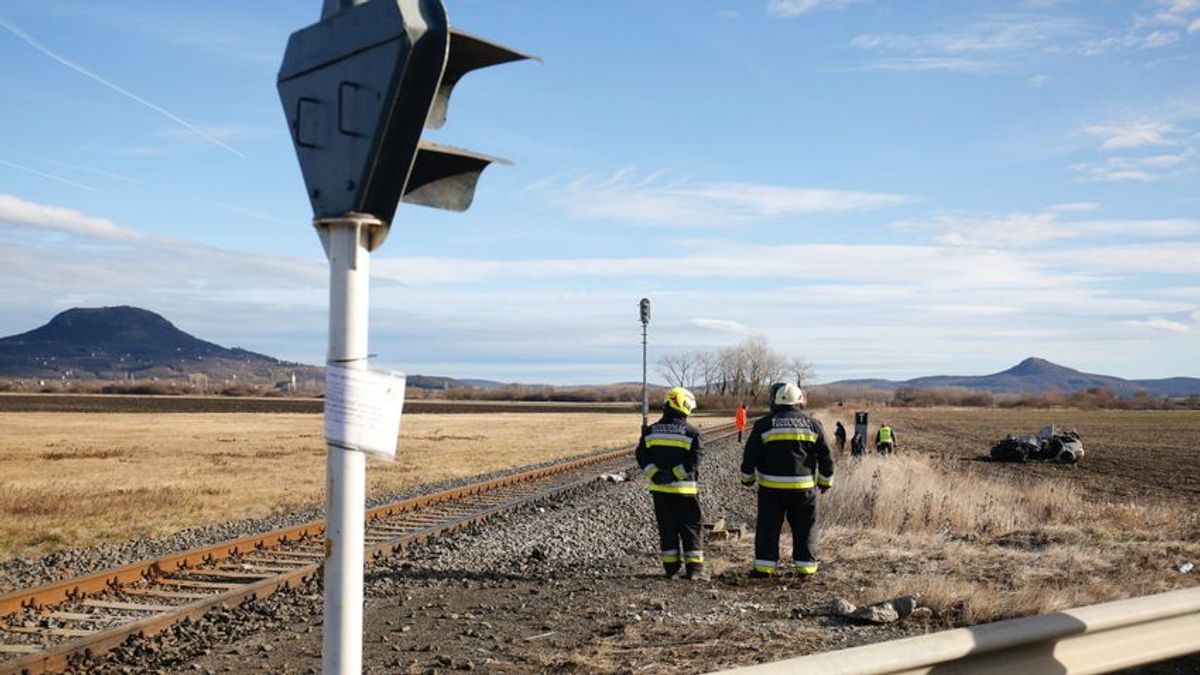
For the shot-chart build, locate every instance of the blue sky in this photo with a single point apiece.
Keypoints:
(886, 188)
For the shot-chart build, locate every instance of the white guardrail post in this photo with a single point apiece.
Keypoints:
(1093, 639)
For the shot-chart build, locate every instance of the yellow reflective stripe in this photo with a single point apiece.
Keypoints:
(668, 442)
(770, 436)
(650, 470)
(765, 566)
(670, 558)
(806, 569)
(680, 488)
(693, 559)
(679, 472)
(786, 485)
(825, 482)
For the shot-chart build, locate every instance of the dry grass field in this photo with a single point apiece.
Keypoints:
(70, 479)
(981, 541)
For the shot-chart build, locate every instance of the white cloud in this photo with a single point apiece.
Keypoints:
(723, 326)
(1014, 229)
(1134, 134)
(1129, 41)
(22, 212)
(1073, 207)
(918, 64)
(1038, 81)
(1178, 13)
(1174, 258)
(789, 9)
(1030, 229)
(994, 34)
(1131, 169)
(1159, 323)
(568, 320)
(652, 200)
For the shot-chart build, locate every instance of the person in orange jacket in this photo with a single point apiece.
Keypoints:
(740, 420)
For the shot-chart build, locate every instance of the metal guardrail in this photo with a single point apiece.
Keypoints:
(1093, 639)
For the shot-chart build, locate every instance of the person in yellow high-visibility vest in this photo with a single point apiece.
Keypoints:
(885, 440)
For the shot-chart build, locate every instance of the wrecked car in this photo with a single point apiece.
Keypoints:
(1049, 444)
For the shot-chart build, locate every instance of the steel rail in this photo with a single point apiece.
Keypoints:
(230, 572)
(1093, 639)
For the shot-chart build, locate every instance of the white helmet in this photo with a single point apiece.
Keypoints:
(789, 394)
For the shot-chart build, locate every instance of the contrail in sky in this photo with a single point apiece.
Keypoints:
(50, 176)
(28, 39)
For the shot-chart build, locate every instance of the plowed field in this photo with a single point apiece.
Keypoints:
(1137, 455)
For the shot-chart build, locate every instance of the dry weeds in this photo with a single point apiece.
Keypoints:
(70, 480)
(979, 546)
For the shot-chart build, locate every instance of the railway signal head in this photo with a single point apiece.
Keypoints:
(644, 308)
(359, 87)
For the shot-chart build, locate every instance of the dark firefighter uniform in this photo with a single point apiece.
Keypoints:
(669, 453)
(788, 456)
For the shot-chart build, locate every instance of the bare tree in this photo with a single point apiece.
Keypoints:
(709, 369)
(802, 369)
(743, 370)
(677, 368)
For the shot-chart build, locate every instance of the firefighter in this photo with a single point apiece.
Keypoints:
(669, 453)
(885, 440)
(739, 419)
(840, 435)
(788, 456)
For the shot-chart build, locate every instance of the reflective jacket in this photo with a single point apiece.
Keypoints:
(669, 452)
(740, 418)
(787, 450)
(885, 435)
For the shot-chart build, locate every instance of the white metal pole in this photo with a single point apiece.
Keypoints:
(346, 243)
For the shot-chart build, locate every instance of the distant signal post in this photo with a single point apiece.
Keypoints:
(644, 313)
(358, 88)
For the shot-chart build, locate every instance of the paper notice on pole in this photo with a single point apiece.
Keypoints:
(362, 410)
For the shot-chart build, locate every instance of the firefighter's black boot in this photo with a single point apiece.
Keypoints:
(670, 569)
(695, 572)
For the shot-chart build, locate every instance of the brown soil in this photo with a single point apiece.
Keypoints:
(1135, 455)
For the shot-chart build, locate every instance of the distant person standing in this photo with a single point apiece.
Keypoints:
(669, 454)
(840, 434)
(787, 456)
(739, 419)
(885, 440)
(858, 447)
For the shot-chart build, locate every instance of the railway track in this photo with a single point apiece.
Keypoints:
(42, 629)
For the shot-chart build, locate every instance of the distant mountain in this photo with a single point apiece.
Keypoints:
(1035, 376)
(439, 382)
(112, 343)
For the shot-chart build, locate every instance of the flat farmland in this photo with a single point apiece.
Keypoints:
(1135, 455)
(80, 479)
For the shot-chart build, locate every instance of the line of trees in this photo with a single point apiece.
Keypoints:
(745, 370)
